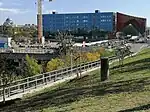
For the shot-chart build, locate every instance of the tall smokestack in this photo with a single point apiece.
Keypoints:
(39, 21)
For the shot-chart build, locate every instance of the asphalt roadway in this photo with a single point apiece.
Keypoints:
(136, 47)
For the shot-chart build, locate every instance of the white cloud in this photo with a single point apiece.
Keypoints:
(48, 11)
(13, 10)
(1, 3)
(16, 4)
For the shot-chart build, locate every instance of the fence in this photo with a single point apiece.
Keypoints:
(24, 85)
(27, 50)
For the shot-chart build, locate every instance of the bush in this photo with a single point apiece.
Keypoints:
(65, 60)
(92, 56)
(32, 67)
(54, 64)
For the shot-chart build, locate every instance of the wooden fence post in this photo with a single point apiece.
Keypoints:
(23, 87)
(27, 82)
(8, 91)
(104, 68)
(43, 79)
(36, 83)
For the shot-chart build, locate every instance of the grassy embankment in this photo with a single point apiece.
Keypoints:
(126, 91)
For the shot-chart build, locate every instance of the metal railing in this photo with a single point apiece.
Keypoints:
(24, 85)
(30, 49)
(27, 50)
(29, 83)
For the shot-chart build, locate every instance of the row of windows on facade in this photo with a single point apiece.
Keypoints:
(84, 26)
(68, 17)
(103, 20)
(73, 29)
(98, 24)
(106, 28)
(76, 17)
(84, 21)
(79, 25)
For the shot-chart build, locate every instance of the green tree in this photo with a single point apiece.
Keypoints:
(54, 64)
(8, 73)
(32, 67)
(65, 42)
(8, 30)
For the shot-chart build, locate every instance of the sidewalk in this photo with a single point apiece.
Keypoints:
(41, 87)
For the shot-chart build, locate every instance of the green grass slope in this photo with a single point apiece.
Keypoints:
(126, 91)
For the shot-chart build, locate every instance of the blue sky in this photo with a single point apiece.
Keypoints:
(24, 11)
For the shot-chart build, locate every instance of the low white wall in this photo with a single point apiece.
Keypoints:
(148, 41)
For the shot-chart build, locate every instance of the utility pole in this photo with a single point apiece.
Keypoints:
(80, 61)
(71, 59)
(71, 51)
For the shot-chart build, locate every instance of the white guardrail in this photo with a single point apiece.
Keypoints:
(28, 50)
(24, 85)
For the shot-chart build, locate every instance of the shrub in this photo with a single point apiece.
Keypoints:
(32, 66)
(54, 64)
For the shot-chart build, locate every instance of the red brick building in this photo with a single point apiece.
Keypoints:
(123, 20)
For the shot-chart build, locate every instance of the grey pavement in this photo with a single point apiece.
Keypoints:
(39, 88)
(138, 46)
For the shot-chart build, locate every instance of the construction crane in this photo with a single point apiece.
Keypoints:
(39, 20)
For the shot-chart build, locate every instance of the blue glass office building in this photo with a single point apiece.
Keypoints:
(72, 21)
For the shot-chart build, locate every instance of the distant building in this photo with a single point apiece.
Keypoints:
(30, 26)
(105, 21)
(61, 22)
(123, 21)
(148, 31)
(8, 22)
(19, 26)
(5, 41)
(27, 26)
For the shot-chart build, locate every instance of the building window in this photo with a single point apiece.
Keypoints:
(85, 17)
(85, 21)
(103, 16)
(103, 20)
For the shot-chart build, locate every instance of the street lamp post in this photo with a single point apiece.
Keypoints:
(80, 62)
(70, 43)
(71, 59)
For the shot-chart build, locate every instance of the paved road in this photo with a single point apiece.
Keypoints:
(137, 46)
